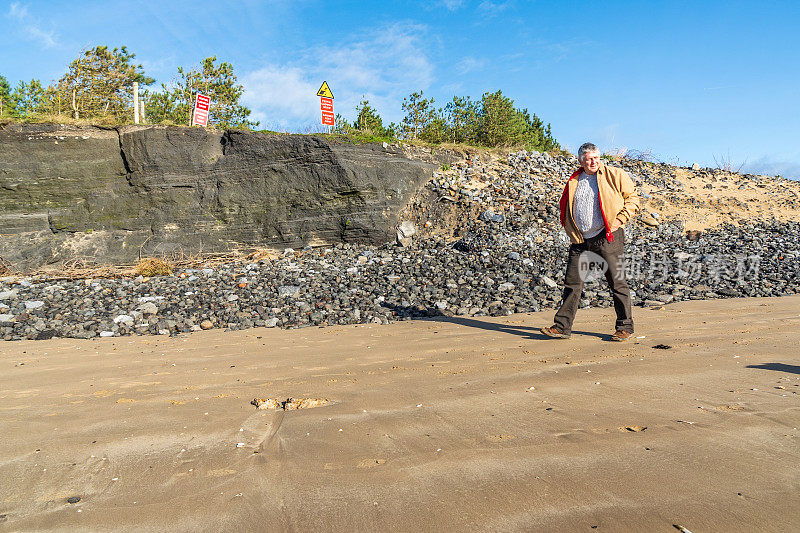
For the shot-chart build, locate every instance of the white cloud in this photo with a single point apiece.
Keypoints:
(17, 11)
(165, 63)
(31, 26)
(384, 66)
(452, 5)
(493, 8)
(470, 64)
(46, 38)
(281, 95)
(453, 88)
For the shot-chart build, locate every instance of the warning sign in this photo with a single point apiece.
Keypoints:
(325, 91)
(326, 106)
(201, 109)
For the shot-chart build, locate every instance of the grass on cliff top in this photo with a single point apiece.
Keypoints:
(64, 119)
(354, 137)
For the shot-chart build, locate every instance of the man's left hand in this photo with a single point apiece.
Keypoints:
(615, 225)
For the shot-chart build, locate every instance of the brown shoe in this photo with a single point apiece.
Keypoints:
(620, 336)
(553, 331)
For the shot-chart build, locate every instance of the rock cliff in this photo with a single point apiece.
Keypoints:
(110, 195)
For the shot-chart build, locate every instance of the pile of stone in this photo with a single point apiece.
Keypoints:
(491, 271)
(481, 239)
(526, 186)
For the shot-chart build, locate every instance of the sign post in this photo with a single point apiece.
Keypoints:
(326, 105)
(201, 107)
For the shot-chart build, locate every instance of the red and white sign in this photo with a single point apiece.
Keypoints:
(202, 104)
(326, 106)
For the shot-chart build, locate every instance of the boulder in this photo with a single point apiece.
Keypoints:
(405, 231)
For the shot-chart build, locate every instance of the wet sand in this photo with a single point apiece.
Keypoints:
(452, 424)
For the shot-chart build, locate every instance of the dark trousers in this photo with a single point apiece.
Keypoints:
(613, 253)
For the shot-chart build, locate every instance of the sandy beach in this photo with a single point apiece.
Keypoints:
(448, 424)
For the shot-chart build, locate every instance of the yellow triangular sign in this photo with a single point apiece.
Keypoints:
(325, 90)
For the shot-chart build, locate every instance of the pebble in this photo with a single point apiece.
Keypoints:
(148, 308)
(549, 282)
(125, 320)
(495, 251)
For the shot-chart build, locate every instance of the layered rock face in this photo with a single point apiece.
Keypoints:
(113, 195)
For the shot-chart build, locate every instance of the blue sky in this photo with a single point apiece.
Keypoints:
(691, 82)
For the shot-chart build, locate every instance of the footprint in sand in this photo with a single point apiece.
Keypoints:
(499, 438)
(369, 463)
(729, 408)
(220, 472)
(633, 429)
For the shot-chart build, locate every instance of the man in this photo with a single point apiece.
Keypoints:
(597, 201)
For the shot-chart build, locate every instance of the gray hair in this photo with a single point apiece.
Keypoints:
(586, 147)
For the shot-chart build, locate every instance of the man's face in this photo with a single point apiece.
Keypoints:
(590, 161)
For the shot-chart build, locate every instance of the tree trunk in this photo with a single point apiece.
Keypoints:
(74, 106)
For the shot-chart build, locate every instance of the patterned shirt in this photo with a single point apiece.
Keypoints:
(586, 206)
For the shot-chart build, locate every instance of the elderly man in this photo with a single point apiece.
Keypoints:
(597, 201)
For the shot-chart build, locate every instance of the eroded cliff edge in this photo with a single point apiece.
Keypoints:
(109, 195)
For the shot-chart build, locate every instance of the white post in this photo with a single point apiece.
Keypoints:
(144, 119)
(135, 102)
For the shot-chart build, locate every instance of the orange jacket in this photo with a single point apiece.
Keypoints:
(618, 200)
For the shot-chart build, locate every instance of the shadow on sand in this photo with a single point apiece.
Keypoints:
(529, 332)
(780, 367)
(533, 333)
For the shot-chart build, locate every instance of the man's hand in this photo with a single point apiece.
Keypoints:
(615, 225)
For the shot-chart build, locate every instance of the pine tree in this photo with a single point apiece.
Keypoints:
(217, 81)
(30, 99)
(535, 136)
(436, 130)
(461, 115)
(100, 83)
(6, 104)
(368, 120)
(419, 112)
(160, 107)
(492, 121)
(500, 124)
(341, 125)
